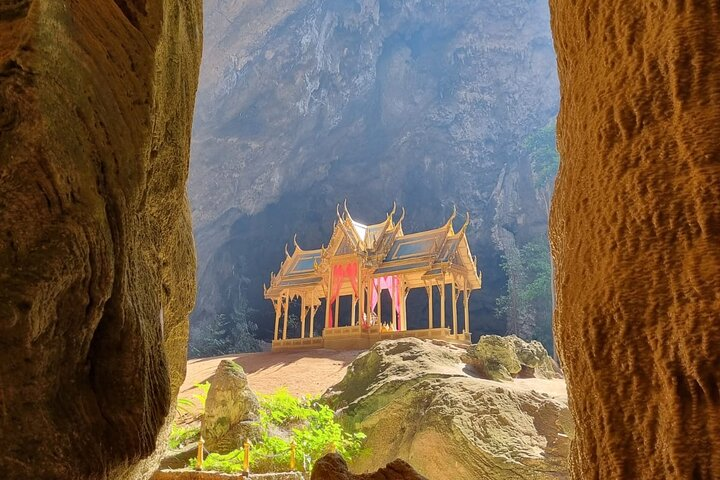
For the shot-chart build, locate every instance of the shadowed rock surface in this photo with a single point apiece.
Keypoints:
(635, 231)
(333, 467)
(231, 410)
(419, 401)
(96, 254)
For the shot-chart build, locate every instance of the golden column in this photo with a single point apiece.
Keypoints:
(379, 305)
(454, 306)
(465, 307)
(353, 304)
(287, 307)
(403, 306)
(327, 299)
(429, 290)
(361, 294)
(395, 320)
(313, 311)
(337, 311)
(303, 314)
(278, 308)
(442, 302)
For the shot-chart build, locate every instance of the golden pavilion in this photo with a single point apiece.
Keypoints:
(364, 262)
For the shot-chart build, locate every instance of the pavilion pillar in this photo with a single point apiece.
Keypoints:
(361, 295)
(465, 307)
(379, 314)
(454, 307)
(303, 314)
(313, 311)
(442, 303)
(278, 309)
(429, 290)
(352, 310)
(403, 306)
(287, 307)
(328, 306)
(337, 311)
(395, 319)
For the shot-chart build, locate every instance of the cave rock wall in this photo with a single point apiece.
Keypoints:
(96, 253)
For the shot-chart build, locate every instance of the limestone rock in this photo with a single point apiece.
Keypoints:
(635, 234)
(334, 467)
(231, 410)
(419, 401)
(504, 358)
(96, 254)
(425, 102)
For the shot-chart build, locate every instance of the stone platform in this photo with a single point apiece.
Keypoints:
(359, 338)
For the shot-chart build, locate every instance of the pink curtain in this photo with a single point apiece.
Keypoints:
(339, 274)
(392, 284)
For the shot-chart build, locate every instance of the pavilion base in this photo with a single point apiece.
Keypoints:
(358, 338)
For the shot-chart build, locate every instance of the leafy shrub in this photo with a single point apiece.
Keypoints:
(181, 435)
(284, 419)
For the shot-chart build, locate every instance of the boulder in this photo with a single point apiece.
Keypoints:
(505, 358)
(97, 260)
(420, 401)
(231, 410)
(333, 467)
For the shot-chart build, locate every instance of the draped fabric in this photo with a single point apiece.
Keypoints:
(339, 274)
(392, 284)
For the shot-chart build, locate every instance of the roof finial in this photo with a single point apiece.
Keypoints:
(452, 216)
(467, 222)
(402, 216)
(297, 247)
(394, 209)
(286, 251)
(347, 214)
(337, 210)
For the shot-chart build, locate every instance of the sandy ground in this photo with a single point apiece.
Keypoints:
(308, 372)
(311, 372)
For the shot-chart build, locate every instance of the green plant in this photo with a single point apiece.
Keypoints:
(202, 396)
(284, 418)
(181, 435)
(529, 292)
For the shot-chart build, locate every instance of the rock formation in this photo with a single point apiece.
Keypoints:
(231, 410)
(305, 103)
(635, 232)
(96, 254)
(334, 467)
(419, 401)
(505, 358)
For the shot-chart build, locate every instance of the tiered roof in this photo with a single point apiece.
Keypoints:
(383, 249)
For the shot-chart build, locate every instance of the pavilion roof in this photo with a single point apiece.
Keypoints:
(383, 247)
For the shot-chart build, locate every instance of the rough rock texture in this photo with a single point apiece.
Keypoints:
(96, 254)
(231, 410)
(333, 467)
(417, 400)
(505, 358)
(305, 103)
(636, 235)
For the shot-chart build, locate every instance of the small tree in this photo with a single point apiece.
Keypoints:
(528, 303)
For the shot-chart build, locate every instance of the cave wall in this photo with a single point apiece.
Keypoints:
(635, 233)
(303, 104)
(96, 253)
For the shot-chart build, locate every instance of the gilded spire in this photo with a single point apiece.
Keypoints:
(449, 222)
(467, 222)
